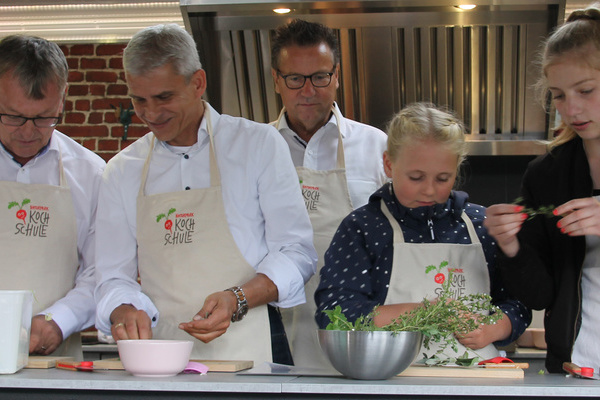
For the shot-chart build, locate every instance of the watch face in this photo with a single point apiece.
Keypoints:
(243, 310)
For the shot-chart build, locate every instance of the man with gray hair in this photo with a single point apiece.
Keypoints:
(48, 191)
(206, 209)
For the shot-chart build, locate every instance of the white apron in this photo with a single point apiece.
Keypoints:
(327, 201)
(38, 242)
(185, 253)
(409, 282)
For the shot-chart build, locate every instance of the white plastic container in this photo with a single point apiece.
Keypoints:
(16, 307)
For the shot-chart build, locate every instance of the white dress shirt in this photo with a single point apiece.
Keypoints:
(363, 150)
(263, 205)
(83, 170)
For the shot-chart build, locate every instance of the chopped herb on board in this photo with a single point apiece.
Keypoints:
(437, 320)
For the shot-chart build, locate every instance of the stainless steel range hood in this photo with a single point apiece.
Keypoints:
(480, 63)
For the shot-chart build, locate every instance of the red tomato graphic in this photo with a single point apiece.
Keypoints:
(21, 214)
(440, 278)
(168, 224)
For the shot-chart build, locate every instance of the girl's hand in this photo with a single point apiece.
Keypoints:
(503, 222)
(486, 334)
(580, 217)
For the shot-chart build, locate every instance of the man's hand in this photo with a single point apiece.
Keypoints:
(45, 336)
(214, 317)
(130, 323)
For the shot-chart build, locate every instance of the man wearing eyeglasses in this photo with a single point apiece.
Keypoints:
(339, 161)
(48, 190)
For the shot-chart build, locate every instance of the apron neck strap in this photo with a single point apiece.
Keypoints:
(215, 175)
(341, 160)
(146, 167)
(61, 169)
(470, 228)
(398, 235)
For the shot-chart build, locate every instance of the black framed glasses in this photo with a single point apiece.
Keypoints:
(297, 81)
(40, 122)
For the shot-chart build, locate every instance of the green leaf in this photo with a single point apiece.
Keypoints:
(430, 268)
(466, 361)
(171, 211)
(160, 216)
(13, 204)
(338, 320)
(25, 201)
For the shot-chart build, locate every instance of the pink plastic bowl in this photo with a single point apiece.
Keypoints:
(154, 358)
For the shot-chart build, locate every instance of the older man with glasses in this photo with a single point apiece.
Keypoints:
(48, 192)
(339, 161)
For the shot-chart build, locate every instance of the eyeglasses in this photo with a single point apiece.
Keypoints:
(297, 81)
(40, 122)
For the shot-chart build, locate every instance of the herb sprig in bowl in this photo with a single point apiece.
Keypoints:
(438, 320)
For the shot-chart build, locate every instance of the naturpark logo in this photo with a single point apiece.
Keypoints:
(32, 223)
(458, 284)
(179, 227)
(311, 196)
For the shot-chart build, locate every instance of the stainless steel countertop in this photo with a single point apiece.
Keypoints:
(45, 383)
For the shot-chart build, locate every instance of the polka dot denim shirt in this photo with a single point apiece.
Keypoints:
(358, 263)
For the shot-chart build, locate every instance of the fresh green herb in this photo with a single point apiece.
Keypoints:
(463, 361)
(548, 211)
(541, 372)
(437, 320)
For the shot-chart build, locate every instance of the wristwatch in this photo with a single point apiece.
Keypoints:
(242, 308)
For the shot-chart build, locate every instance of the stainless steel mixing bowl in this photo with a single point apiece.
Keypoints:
(370, 355)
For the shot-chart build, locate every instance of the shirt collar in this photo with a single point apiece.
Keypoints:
(332, 125)
(50, 146)
(202, 138)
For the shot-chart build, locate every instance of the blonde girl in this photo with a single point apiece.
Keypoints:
(380, 253)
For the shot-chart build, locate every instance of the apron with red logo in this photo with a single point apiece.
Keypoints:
(185, 253)
(411, 280)
(38, 242)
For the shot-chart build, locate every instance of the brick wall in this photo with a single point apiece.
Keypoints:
(96, 91)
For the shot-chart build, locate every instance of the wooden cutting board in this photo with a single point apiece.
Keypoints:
(213, 365)
(226, 365)
(458, 372)
(43, 362)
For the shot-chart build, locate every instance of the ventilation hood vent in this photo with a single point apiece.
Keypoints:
(480, 62)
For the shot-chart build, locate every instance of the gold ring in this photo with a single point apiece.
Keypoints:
(119, 324)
